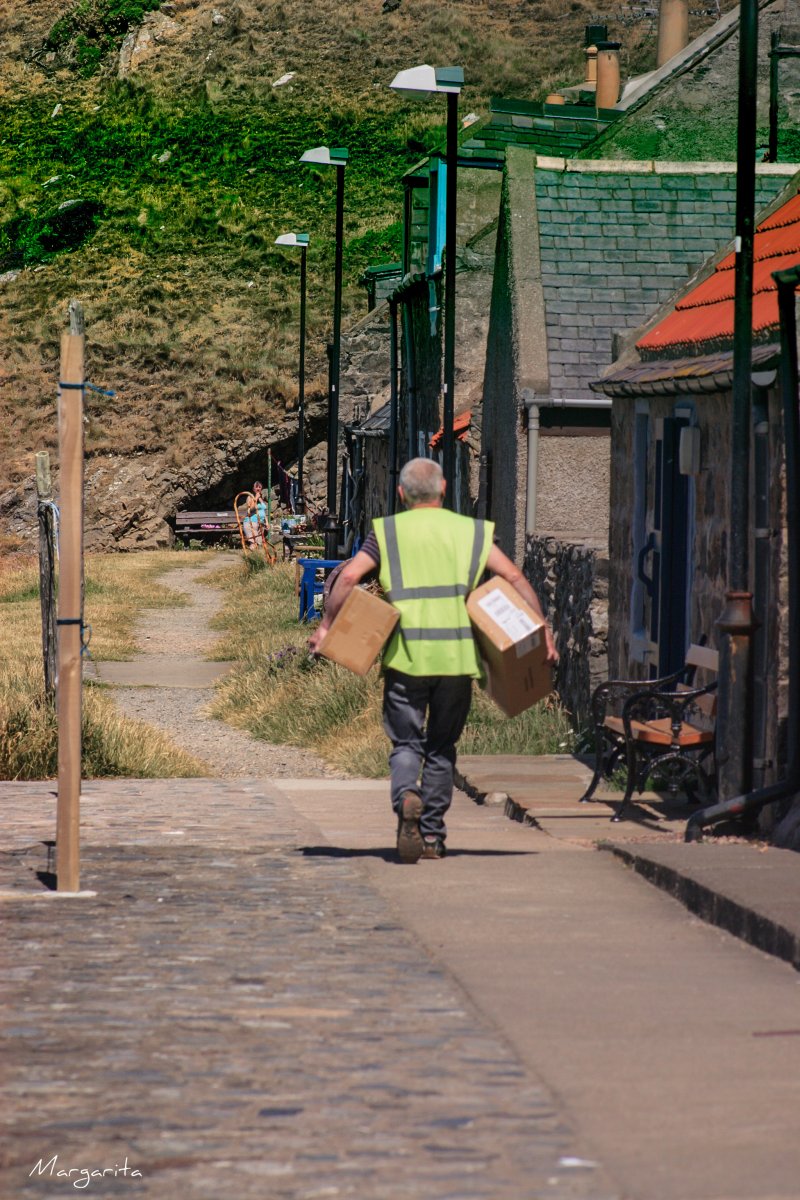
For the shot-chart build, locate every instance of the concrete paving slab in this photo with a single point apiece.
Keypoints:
(753, 891)
(668, 1041)
(157, 671)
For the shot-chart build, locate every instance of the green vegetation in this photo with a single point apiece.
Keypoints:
(675, 132)
(280, 694)
(93, 28)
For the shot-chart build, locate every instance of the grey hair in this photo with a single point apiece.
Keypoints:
(421, 480)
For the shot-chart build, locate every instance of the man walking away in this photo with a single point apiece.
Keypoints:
(428, 560)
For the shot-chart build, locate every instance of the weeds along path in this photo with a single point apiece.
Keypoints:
(169, 684)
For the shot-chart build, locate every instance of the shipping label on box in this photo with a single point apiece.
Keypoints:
(511, 640)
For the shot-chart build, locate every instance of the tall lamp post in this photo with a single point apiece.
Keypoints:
(734, 729)
(423, 81)
(327, 157)
(301, 240)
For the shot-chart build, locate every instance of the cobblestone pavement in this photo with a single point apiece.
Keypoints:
(231, 1017)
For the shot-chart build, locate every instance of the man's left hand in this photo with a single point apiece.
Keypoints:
(552, 653)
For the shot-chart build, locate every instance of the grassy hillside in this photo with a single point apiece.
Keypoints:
(156, 198)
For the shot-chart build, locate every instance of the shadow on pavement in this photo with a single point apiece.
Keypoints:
(390, 855)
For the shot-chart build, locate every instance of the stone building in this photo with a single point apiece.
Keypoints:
(585, 251)
(563, 248)
(671, 480)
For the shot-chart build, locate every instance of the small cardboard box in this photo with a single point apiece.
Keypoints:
(359, 631)
(511, 641)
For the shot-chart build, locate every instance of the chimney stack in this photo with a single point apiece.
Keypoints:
(673, 29)
(607, 93)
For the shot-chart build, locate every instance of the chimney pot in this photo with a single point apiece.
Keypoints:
(595, 34)
(673, 29)
(591, 64)
(607, 93)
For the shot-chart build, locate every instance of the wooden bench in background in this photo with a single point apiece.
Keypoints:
(206, 526)
(662, 727)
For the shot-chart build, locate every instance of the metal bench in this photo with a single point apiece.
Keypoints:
(662, 727)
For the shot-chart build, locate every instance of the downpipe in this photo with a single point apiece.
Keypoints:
(752, 802)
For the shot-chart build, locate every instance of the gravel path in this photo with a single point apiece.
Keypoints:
(185, 634)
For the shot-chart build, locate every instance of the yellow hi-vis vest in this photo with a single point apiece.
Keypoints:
(431, 559)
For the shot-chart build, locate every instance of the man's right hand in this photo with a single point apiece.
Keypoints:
(318, 637)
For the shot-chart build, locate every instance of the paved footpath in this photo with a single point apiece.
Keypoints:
(237, 1010)
(258, 1002)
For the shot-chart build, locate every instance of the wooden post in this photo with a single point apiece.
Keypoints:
(47, 572)
(70, 596)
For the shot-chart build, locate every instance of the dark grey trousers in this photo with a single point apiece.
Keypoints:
(423, 716)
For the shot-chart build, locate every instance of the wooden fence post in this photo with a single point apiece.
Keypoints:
(47, 572)
(70, 603)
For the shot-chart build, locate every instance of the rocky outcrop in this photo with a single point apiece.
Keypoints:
(143, 42)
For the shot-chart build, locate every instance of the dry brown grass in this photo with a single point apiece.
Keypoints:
(116, 588)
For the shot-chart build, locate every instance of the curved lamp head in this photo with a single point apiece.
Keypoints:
(325, 156)
(292, 239)
(423, 80)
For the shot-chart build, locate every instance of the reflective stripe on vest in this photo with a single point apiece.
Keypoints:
(434, 636)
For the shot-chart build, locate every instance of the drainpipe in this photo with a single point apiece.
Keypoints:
(753, 802)
(391, 499)
(532, 409)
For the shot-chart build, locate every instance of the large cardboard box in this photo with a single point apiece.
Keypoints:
(512, 645)
(359, 631)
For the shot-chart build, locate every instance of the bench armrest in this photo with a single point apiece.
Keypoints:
(649, 705)
(615, 690)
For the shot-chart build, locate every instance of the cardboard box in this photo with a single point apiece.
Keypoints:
(511, 641)
(359, 632)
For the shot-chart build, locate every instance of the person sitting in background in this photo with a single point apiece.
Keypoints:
(255, 523)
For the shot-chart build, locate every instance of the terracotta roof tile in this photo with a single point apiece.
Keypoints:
(706, 313)
(461, 424)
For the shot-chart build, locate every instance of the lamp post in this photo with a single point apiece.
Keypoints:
(734, 731)
(301, 240)
(326, 157)
(423, 81)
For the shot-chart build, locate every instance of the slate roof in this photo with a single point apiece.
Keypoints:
(673, 376)
(616, 241)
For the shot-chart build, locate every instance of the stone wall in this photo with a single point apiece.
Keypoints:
(571, 580)
(573, 484)
(708, 555)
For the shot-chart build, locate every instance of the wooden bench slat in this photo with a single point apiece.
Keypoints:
(660, 732)
(703, 656)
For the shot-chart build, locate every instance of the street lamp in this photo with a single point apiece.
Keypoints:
(325, 156)
(418, 81)
(301, 240)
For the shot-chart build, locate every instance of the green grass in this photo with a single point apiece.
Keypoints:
(280, 694)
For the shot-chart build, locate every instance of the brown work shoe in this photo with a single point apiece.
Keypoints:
(409, 838)
(433, 848)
